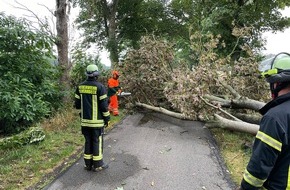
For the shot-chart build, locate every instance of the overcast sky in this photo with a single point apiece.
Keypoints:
(275, 42)
(42, 7)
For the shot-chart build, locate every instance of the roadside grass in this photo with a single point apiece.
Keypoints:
(235, 148)
(33, 166)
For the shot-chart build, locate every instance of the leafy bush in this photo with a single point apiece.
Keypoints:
(28, 83)
(80, 62)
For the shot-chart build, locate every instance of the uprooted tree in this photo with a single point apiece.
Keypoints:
(218, 90)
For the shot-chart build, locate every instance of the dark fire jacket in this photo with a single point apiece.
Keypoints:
(269, 164)
(91, 98)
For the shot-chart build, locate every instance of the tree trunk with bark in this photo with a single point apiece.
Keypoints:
(234, 123)
(109, 14)
(62, 43)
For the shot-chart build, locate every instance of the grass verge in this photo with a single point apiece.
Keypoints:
(235, 148)
(35, 165)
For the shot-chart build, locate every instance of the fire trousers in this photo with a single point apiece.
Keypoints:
(93, 153)
(113, 105)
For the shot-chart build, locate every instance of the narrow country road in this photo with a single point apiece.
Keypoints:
(151, 151)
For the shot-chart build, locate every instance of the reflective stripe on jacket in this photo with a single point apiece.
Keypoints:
(269, 164)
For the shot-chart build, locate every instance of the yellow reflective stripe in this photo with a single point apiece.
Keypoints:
(95, 108)
(256, 182)
(82, 105)
(106, 114)
(103, 97)
(77, 96)
(269, 140)
(84, 124)
(99, 121)
(97, 158)
(87, 89)
(88, 156)
(100, 156)
(288, 181)
(92, 125)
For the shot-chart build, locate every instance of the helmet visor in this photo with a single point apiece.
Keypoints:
(274, 65)
(266, 64)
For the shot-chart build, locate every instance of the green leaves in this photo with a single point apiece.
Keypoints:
(28, 80)
(29, 136)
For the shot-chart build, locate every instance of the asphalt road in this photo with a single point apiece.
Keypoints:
(152, 152)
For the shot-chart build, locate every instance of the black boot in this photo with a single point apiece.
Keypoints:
(88, 164)
(99, 165)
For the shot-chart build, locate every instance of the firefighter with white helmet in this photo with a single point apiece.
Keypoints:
(91, 99)
(269, 165)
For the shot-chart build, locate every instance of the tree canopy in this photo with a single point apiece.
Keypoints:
(119, 25)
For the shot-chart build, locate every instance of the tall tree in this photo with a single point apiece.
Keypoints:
(60, 39)
(61, 13)
(109, 12)
(98, 19)
(118, 25)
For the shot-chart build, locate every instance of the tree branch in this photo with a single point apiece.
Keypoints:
(39, 21)
(232, 90)
(237, 103)
(162, 110)
(220, 109)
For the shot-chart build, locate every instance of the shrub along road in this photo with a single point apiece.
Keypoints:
(152, 151)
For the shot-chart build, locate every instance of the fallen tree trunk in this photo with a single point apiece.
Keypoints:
(162, 110)
(218, 122)
(233, 125)
(249, 118)
(243, 103)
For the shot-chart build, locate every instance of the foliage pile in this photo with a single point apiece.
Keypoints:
(146, 70)
(28, 83)
(216, 76)
(154, 79)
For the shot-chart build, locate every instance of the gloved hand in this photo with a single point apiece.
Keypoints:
(119, 91)
(106, 123)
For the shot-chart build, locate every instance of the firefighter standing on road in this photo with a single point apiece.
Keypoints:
(113, 90)
(91, 98)
(269, 166)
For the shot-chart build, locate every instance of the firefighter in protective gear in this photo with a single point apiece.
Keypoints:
(113, 90)
(269, 165)
(91, 99)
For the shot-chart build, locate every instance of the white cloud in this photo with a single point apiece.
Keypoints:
(279, 42)
(37, 6)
